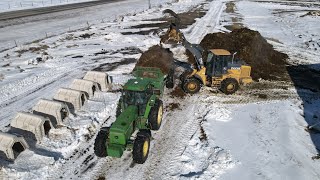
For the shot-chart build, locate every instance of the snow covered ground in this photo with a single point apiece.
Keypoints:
(207, 136)
(12, 5)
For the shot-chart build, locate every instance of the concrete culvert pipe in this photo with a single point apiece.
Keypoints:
(32, 126)
(56, 111)
(12, 145)
(87, 86)
(73, 98)
(102, 78)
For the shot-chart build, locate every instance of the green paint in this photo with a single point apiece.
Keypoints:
(136, 102)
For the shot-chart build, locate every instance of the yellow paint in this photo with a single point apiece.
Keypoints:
(145, 148)
(160, 115)
(220, 52)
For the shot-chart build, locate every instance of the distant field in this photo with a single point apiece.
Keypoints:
(10, 5)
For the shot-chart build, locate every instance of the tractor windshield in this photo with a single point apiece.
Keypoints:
(135, 97)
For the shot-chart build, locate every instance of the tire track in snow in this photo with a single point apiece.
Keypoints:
(189, 125)
(207, 23)
(29, 85)
(174, 141)
(79, 161)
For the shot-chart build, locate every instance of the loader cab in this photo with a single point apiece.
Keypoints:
(217, 62)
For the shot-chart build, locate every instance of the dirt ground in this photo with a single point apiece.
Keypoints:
(178, 92)
(187, 18)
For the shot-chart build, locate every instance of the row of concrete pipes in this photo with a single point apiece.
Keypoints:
(48, 114)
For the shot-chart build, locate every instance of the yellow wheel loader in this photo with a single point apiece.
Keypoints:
(220, 70)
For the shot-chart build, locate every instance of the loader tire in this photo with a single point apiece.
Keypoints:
(191, 86)
(155, 116)
(141, 147)
(100, 144)
(229, 86)
(184, 76)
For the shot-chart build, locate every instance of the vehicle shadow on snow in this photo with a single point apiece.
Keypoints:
(307, 83)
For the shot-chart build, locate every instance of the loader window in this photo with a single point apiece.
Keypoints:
(220, 65)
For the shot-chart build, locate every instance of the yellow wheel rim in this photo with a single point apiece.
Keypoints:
(192, 86)
(230, 87)
(145, 148)
(160, 115)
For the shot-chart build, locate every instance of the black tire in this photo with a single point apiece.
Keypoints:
(118, 110)
(229, 86)
(100, 146)
(169, 83)
(191, 85)
(170, 80)
(141, 147)
(155, 116)
(184, 75)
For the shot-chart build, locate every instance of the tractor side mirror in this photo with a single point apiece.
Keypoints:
(156, 92)
(233, 56)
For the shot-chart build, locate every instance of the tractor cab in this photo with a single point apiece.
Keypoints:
(137, 92)
(218, 62)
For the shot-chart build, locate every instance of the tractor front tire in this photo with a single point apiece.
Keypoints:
(141, 147)
(155, 116)
(191, 85)
(100, 146)
(229, 86)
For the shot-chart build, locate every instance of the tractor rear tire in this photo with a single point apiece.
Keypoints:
(118, 110)
(100, 146)
(170, 80)
(155, 116)
(141, 147)
(229, 86)
(169, 83)
(191, 85)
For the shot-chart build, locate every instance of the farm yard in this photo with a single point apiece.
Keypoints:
(259, 132)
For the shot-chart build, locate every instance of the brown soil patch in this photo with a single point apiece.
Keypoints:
(186, 19)
(312, 13)
(178, 92)
(32, 49)
(173, 106)
(158, 57)
(266, 62)
(230, 7)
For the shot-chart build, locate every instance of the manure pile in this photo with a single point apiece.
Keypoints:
(266, 62)
(157, 56)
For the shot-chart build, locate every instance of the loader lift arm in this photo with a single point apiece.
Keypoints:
(219, 72)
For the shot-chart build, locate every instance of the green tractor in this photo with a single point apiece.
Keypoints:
(139, 111)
